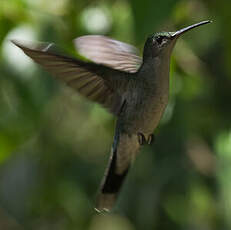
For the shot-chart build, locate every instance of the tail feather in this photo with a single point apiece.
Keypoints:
(124, 149)
(105, 202)
(113, 180)
(111, 185)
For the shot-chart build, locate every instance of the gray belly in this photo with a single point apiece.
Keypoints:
(144, 109)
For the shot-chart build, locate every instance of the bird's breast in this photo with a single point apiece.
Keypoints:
(146, 102)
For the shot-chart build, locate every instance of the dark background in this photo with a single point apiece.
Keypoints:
(54, 144)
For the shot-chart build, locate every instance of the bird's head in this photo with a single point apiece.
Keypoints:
(162, 43)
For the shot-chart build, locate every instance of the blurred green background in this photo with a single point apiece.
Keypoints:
(54, 144)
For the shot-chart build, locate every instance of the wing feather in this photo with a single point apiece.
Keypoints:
(103, 50)
(96, 82)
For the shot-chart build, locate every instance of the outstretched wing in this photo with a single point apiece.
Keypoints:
(103, 50)
(96, 82)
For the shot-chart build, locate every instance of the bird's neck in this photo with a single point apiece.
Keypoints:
(156, 69)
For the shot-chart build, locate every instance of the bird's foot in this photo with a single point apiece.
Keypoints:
(151, 138)
(142, 140)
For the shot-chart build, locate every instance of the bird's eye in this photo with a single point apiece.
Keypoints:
(159, 39)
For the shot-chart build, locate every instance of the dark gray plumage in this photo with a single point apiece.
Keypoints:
(132, 88)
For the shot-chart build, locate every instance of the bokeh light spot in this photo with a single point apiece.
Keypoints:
(96, 20)
(13, 55)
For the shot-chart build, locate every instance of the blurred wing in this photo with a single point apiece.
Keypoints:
(91, 80)
(103, 50)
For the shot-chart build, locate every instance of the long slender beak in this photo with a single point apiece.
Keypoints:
(182, 31)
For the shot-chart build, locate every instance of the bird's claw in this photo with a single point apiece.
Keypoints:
(142, 140)
(151, 138)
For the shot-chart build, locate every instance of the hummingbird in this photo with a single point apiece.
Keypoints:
(135, 89)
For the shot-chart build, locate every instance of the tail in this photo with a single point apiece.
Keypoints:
(123, 152)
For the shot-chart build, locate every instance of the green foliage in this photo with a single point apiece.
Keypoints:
(54, 144)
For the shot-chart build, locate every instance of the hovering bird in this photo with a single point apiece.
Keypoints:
(134, 89)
